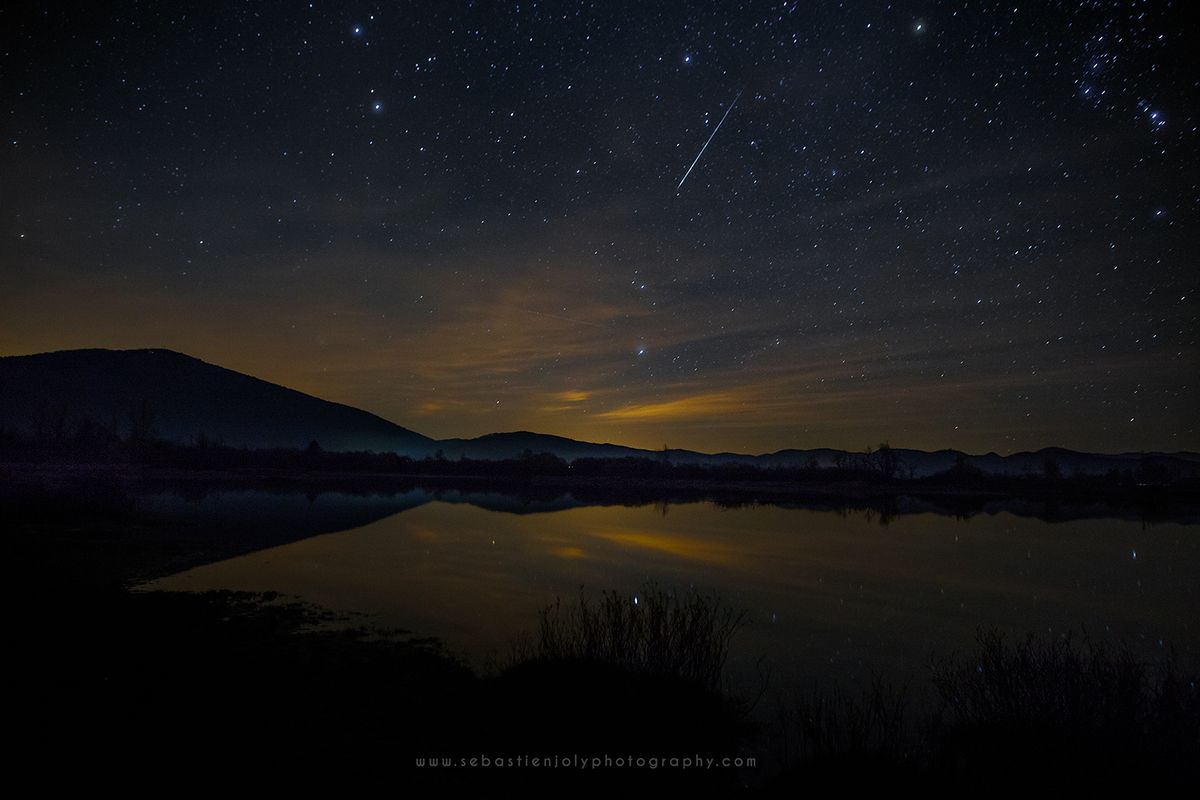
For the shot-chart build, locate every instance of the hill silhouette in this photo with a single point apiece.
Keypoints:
(161, 395)
(166, 395)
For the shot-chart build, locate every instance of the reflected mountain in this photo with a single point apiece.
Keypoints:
(134, 535)
(143, 528)
(514, 497)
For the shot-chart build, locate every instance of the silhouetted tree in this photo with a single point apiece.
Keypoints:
(964, 470)
(886, 461)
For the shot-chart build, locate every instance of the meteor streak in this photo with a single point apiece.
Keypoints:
(710, 138)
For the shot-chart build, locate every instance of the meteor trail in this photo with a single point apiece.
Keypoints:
(710, 138)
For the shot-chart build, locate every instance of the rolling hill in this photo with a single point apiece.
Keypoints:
(172, 396)
(176, 397)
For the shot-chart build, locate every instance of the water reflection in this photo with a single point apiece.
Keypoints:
(830, 593)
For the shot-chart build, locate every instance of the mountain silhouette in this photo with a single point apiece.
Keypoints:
(168, 395)
(178, 398)
(495, 446)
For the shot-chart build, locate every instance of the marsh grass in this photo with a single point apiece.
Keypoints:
(656, 632)
(836, 725)
(1070, 700)
(616, 672)
(1065, 708)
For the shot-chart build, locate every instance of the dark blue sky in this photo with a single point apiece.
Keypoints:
(936, 225)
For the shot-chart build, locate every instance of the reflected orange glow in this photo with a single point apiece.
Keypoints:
(818, 584)
(691, 548)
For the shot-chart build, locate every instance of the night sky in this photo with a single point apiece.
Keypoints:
(938, 224)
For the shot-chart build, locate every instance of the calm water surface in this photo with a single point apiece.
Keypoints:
(829, 596)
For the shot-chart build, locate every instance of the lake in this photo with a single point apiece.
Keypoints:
(830, 595)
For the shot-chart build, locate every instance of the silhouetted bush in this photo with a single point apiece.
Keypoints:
(1085, 713)
(833, 725)
(1063, 705)
(655, 632)
(829, 737)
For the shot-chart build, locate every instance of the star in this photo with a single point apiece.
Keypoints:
(866, 226)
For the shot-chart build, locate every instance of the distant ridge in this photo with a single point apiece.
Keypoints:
(179, 398)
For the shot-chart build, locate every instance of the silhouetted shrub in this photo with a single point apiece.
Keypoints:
(1056, 702)
(826, 726)
(654, 632)
(1019, 713)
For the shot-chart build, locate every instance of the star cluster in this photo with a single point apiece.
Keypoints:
(970, 227)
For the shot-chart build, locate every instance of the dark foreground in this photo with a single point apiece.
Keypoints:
(158, 686)
(118, 687)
